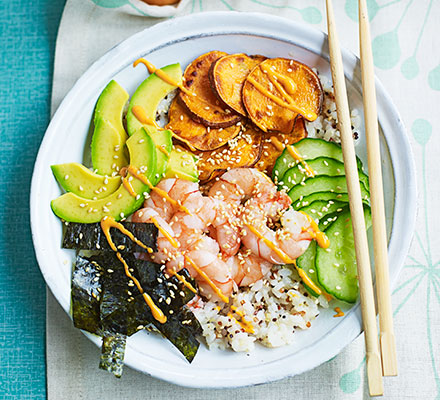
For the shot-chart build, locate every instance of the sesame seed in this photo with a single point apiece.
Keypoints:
(141, 141)
(81, 189)
(338, 287)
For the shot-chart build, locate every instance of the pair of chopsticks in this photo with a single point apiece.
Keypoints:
(383, 362)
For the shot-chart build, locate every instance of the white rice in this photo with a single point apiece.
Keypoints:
(325, 126)
(276, 306)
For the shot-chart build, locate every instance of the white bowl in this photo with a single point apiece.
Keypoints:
(181, 40)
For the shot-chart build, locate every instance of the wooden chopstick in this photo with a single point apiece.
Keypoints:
(373, 361)
(387, 341)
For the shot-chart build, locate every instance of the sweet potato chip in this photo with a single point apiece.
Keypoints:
(204, 107)
(201, 137)
(227, 76)
(278, 90)
(243, 151)
(271, 153)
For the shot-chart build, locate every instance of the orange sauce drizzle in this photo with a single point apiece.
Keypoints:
(207, 279)
(141, 116)
(320, 237)
(292, 107)
(173, 241)
(106, 224)
(339, 312)
(289, 84)
(294, 153)
(163, 150)
(137, 174)
(274, 81)
(183, 280)
(168, 79)
(245, 324)
(285, 258)
(127, 185)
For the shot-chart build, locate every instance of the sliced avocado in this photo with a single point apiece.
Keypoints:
(76, 178)
(182, 164)
(108, 151)
(108, 114)
(121, 203)
(148, 95)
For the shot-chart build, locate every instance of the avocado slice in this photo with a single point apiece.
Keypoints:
(121, 203)
(182, 164)
(148, 95)
(109, 136)
(76, 178)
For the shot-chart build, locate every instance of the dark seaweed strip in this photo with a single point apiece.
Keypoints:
(182, 329)
(80, 236)
(86, 283)
(112, 353)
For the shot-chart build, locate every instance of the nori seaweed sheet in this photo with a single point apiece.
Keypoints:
(112, 354)
(86, 296)
(79, 236)
(118, 307)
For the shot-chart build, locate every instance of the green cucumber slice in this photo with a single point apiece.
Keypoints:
(309, 148)
(321, 166)
(336, 266)
(307, 263)
(322, 183)
(320, 208)
(325, 196)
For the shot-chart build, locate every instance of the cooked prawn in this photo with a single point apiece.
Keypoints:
(247, 268)
(291, 240)
(178, 189)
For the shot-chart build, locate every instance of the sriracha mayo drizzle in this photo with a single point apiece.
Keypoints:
(141, 116)
(245, 324)
(183, 280)
(106, 224)
(294, 153)
(168, 79)
(339, 312)
(208, 280)
(310, 115)
(285, 258)
(138, 175)
(320, 237)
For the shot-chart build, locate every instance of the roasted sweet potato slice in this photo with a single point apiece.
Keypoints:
(204, 107)
(278, 90)
(271, 153)
(227, 76)
(201, 137)
(243, 151)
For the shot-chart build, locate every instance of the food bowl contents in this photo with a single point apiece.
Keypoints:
(215, 209)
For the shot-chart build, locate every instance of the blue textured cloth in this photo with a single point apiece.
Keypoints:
(28, 31)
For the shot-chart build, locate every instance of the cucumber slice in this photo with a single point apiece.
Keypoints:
(336, 266)
(319, 209)
(325, 196)
(322, 183)
(309, 148)
(307, 263)
(321, 166)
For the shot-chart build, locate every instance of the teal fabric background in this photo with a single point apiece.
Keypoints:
(28, 32)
